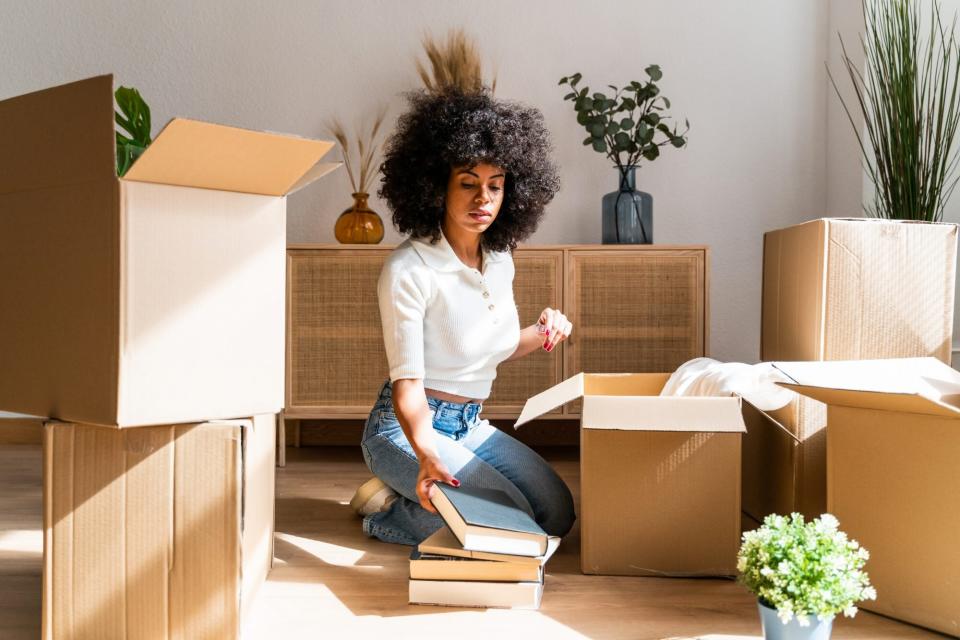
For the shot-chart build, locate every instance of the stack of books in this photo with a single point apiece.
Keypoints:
(490, 554)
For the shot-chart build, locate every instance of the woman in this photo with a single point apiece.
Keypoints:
(468, 178)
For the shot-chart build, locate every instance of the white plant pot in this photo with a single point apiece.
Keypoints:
(775, 629)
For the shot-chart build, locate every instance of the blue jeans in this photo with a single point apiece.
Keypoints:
(476, 453)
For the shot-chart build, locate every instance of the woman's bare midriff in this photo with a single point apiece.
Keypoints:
(448, 397)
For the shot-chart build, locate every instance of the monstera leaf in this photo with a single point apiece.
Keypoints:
(133, 116)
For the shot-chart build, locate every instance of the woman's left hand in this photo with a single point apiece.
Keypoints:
(555, 328)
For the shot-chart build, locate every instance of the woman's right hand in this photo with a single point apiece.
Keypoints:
(432, 470)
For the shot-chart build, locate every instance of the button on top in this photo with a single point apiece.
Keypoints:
(486, 294)
(490, 307)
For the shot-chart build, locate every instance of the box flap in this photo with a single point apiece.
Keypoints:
(913, 385)
(58, 136)
(663, 413)
(555, 396)
(191, 153)
(624, 384)
(318, 171)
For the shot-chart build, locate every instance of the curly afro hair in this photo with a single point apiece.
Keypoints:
(455, 129)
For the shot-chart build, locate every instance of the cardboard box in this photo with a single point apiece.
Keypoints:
(856, 289)
(784, 467)
(843, 289)
(659, 476)
(160, 532)
(893, 436)
(20, 429)
(157, 298)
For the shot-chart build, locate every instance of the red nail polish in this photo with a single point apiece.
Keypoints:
(456, 482)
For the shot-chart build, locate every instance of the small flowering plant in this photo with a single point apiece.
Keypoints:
(804, 570)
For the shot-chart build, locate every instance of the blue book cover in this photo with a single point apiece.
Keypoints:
(490, 508)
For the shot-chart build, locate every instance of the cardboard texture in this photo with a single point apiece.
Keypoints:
(170, 279)
(892, 476)
(844, 289)
(782, 473)
(660, 476)
(23, 430)
(161, 532)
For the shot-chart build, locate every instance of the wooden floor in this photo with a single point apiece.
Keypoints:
(330, 581)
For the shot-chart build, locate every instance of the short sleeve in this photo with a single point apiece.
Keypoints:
(402, 293)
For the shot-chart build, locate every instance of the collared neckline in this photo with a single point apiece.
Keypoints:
(441, 256)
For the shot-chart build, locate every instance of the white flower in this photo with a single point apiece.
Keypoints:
(829, 522)
(784, 567)
(803, 620)
(766, 572)
(850, 611)
(870, 593)
(785, 615)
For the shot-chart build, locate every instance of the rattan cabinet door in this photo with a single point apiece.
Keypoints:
(335, 356)
(536, 285)
(634, 311)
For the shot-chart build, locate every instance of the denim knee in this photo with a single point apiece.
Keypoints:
(560, 514)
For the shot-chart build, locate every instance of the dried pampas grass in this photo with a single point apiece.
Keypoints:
(454, 65)
(367, 149)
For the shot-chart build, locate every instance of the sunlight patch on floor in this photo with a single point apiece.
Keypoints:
(329, 553)
(486, 624)
(22, 541)
(716, 636)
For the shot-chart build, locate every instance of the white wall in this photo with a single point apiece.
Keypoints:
(845, 175)
(748, 74)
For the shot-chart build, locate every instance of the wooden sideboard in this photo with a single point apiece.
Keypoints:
(635, 308)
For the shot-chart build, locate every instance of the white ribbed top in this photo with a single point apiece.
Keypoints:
(444, 322)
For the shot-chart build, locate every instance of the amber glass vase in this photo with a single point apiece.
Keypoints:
(359, 224)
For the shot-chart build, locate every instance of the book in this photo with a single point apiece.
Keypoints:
(442, 542)
(489, 520)
(436, 567)
(454, 593)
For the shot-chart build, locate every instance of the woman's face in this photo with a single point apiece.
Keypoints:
(474, 196)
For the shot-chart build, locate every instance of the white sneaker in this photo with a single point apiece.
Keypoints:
(372, 496)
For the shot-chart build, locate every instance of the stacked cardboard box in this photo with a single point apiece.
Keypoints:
(157, 531)
(153, 301)
(839, 289)
(659, 475)
(157, 298)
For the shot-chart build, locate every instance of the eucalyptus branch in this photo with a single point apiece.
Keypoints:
(613, 125)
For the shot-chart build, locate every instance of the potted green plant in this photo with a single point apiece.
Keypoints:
(628, 127)
(803, 574)
(907, 96)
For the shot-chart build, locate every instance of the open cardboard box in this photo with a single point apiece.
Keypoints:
(659, 476)
(893, 481)
(161, 532)
(156, 298)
